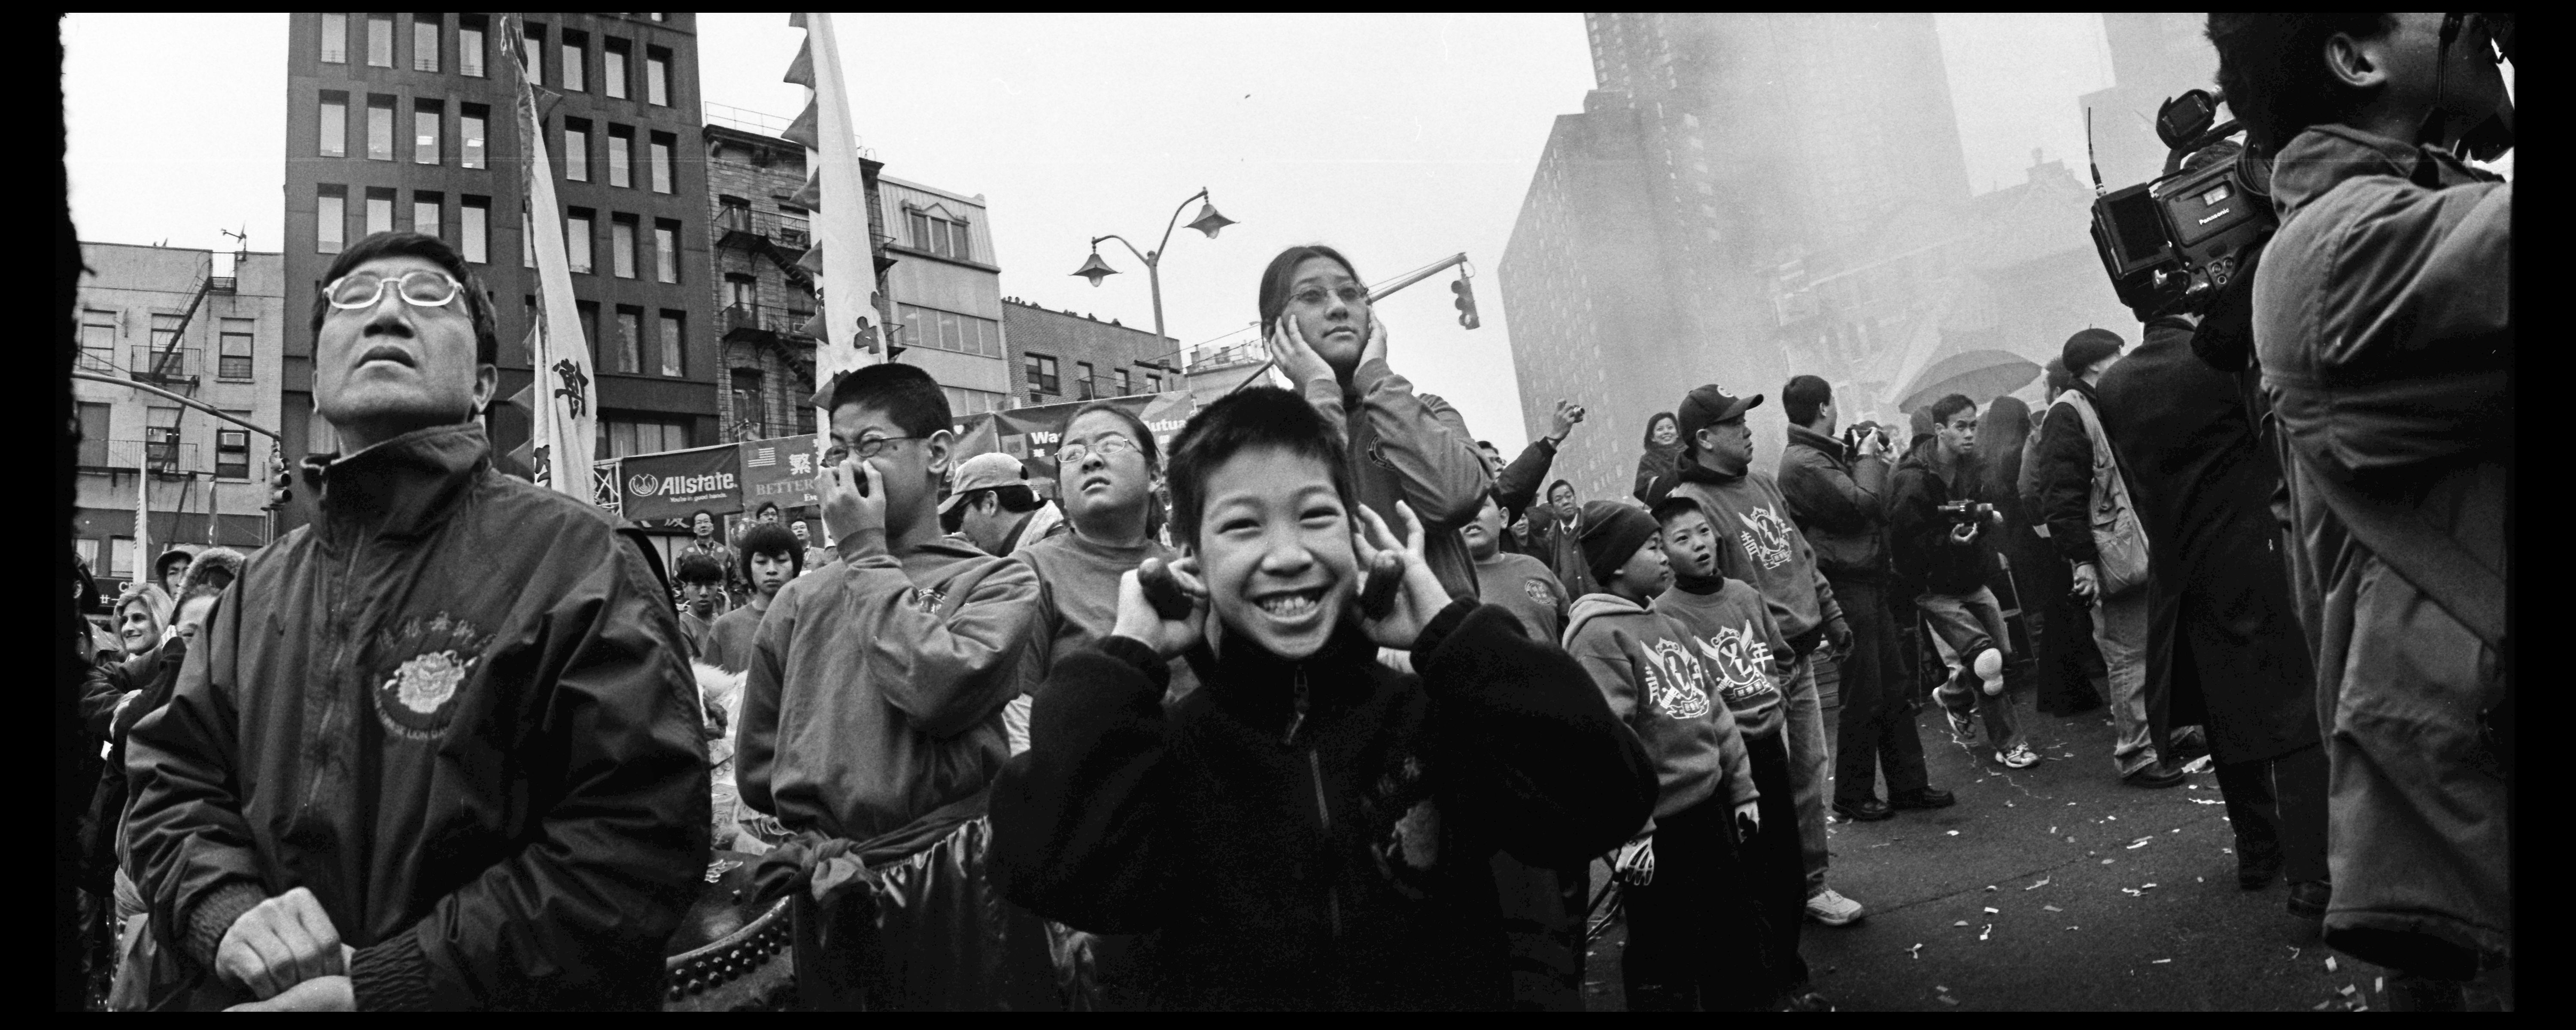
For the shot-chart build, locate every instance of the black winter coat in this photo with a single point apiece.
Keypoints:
(2066, 475)
(1316, 834)
(2223, 639)
(1927, 558)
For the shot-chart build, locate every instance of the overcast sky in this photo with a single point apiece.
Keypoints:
(1399, 139)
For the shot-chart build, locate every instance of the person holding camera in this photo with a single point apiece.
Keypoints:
(2084, 499)
(1944, 547)
(1837, 490)
(2382, 317)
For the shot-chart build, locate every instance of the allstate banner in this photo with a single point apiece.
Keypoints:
(1033, 434)
(673, 484)
(780, 470)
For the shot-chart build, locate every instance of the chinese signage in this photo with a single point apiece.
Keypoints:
(779, 470)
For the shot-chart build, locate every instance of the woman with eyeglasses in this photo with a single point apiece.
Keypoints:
(1105, 478)
(1402, 446)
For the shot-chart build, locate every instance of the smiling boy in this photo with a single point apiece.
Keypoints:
(1310, 829)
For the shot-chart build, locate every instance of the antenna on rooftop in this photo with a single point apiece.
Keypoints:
(2089, 160)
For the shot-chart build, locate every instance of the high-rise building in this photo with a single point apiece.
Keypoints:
(1666, 223)
(163, 317)
(2154, 56)
(409, 121)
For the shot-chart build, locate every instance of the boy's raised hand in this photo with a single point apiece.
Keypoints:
(854, 504)
(1141, 616)
(1421, 595)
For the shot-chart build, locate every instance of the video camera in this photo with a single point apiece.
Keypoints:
(1857, 432)
(1969, 513)
(2170, 243)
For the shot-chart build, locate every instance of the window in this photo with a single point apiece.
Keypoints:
(940, 236)
(120, 556)
(589, 310)
(621, 246)
(330, 220)
(741, 293)
(963, 401)
(424, 43)
(621, 156)
(470, 127)
(794, 227)
(380, 210)
(671, 337)
(966, 334)
(98, 341)
(620, 437)
(380, 128)
(577, 239)
(952, 334)
(425, 118)
(576, 150)
(666, 251)
(657, 76)
(573, 71)
(334, 124)
(661, 159)
(93, 435)
(629, 349)
(469, 47)
(161, 439)
(232, 454)
(165, 333)
(1041, 374)
(1153, 383)
(425, 214)
(532, 48)
(335, 39)
(612, 68)
(235, 335)
(747, 408)
(474, 228)
(1083, 372)
(87, 548)
(1125, 385)
(380, 40)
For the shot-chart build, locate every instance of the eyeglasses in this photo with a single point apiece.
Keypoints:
(1313, 295)
(421, 288)
(868, 448)
(1073, 454)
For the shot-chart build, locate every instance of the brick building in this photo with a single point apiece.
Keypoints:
(407, 121)
(163, 316)
(1059, 356)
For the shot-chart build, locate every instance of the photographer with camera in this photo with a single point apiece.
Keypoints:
(2382, 320)
(2084, 499)
(1943, 548)
(1837, 491)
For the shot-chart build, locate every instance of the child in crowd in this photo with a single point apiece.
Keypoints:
(1694, 939)
(1515, 581)
(1310, 829)
(1741, 647)
(875, 687)
(701, 581)
(769, 558)
(1105, 473)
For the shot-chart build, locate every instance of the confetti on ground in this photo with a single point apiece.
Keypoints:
(2131, 891)
(2139, 843)
(1962, 922)
(2161, 961)
(2323, 1005)
(2330, 963)
(2200, 879)
(1915, 952)
(2070, 840)
(2052, 831)
(2206, 801)
(2043, 882)
(2378, 985)
(2146, 886)
(2113, 818)
(2108, 861)
(1990, 886)
(2052, 908)
(2227, 851)
(2177, 829)
(1948, 1000)
(1996, 911)
(1954, 833)
(2074, 928)
(1989, 931)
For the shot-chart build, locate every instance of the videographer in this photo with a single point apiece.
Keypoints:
(1943, 547)
(2382, 320)
(2079, 478)
(1837, 491)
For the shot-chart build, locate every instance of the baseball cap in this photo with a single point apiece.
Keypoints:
(1707, 406)
(983, 472)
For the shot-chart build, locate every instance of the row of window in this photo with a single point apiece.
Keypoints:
(624, 235)
(1045, 376)
(619, 437)
(572, 54)
(232, 355)
(941, 236)
(948, 330)
(473, 231)
(161, 442)
(473, 126)
(628, 350)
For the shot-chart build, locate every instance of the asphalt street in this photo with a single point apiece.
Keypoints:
(2054, 888)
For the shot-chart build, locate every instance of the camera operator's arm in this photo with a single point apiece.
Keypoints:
(2066, 485)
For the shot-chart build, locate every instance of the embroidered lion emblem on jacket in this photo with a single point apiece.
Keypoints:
(425, 661)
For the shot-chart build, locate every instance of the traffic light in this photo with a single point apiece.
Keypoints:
(1466, 302)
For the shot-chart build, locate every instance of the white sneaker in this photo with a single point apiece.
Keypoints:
(1833, 909)
(2020, 757)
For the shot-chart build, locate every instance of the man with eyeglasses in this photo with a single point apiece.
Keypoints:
(439, 748)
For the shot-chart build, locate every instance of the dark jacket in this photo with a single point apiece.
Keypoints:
(1316, 834)
(2223, 639)
(456, 708)
(1560, 545)
(2066, 475)
(1516, 486)
(1927, 558)
(1657, 471)
(1415, 448)
(1840, 504)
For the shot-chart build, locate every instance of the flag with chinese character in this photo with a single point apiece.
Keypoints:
(837, 194)
(564, 401)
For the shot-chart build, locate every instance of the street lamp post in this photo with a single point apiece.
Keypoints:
(1207, 222)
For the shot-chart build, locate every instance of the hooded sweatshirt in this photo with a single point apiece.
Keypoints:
(1768, 552)
(876, 688)
(1648, 668)
(1738, 644)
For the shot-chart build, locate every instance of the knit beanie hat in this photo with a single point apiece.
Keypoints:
(2088, 347)
(1612, 532)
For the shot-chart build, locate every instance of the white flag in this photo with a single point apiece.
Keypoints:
(565, 400)
(841, 217)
